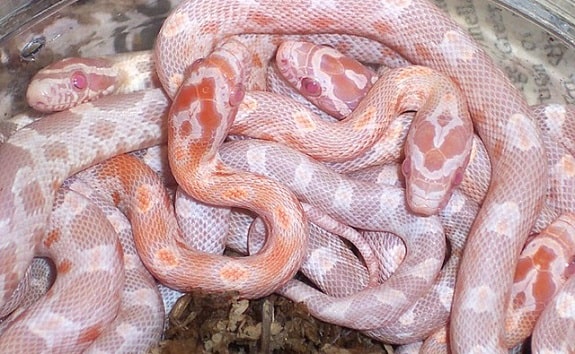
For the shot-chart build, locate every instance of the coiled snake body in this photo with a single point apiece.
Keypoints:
(416, 29)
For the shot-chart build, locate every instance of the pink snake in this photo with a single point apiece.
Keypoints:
(335, 83)
(437, 147)
(497, 109)
(501, 118)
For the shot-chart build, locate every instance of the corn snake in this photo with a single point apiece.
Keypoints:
(468, 54)
(497, 110)
(545, 262)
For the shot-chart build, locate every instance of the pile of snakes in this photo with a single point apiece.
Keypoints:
(288, 132)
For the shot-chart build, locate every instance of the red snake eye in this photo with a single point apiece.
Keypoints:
(570, 269)
(311, 87)
(79, 80)
(405, 168)
(237, 95)
(458, 177)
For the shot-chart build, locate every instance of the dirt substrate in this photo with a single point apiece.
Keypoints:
(202, 323)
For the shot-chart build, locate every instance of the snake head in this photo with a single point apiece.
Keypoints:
(429, 195)
(437, 151)
(332, 81)
(70, 82)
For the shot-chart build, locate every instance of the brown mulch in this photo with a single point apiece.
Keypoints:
(203, 323)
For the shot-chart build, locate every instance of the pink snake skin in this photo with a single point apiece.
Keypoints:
(501, 118)
(335, 83)
(38, 159)
(438, 145)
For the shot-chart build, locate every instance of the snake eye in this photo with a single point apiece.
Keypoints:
(311, 87)
(237, 95)
(79, 80)
(406, 168)
(457, 178)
